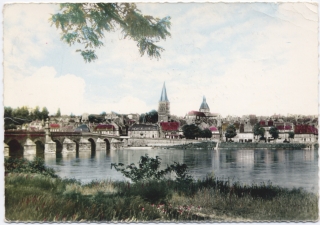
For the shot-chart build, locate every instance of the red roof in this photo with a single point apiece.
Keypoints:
(196, 113)
(169, 126)
(54, 125)
(213, 128)
(270, 123)
(262, 122)
(305, 129)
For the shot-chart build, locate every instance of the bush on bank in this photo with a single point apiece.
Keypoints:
(41, 197)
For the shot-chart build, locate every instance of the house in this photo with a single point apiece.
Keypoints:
(170, 130)
(54, 127)
(215, 132)
(305, 133)
(106, 129)
(143, 131)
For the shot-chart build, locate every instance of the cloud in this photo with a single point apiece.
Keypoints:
(245, 58)
(44, 88)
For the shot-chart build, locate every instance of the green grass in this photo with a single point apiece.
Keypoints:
(38, 197)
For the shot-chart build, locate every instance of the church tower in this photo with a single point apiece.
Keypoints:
(204, 107)
(164, 106)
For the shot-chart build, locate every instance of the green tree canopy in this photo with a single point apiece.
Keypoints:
(44, 113)
(86, 23)
(191, 131)
(274, 132)
(58, 112)
(291, 134)
(258, 130)
(151, 117)
(230, 132)
(206, 133)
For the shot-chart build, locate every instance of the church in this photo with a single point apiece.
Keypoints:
(168, 128)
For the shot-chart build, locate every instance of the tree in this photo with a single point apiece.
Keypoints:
(258, 130)
(191, 131)
(103, 113)
(148, 169)
(58, 114)
(8, 111)
(22, 112)
(44, 113)
(230, 132)
(37, 113)
(151, 117)
(291, 135)
(274, 132)
(206, 133)
(142, 118)
(85, 23)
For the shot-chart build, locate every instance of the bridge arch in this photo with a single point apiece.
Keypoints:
(93, 144)
(15, 148)
(59, 146)
(107, 144)
(77, 146)
(39, 147)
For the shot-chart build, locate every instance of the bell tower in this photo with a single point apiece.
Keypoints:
(164, 106)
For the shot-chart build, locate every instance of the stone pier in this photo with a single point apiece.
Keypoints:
(68, 146)
(29, 148)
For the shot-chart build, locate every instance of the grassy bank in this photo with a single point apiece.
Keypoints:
(39, 196)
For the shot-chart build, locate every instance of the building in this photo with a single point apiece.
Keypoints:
(143, 131)
(169, 130)
(164, 106)
(105, 129)
(204, 108)
(305, 133)
(215, 133)
(203, 115)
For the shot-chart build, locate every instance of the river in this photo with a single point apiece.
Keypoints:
(286, 168)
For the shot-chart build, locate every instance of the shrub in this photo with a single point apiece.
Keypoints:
(13, 165)
(148, 169)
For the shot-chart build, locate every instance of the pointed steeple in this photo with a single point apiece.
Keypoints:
(204, 104)
(164, 97)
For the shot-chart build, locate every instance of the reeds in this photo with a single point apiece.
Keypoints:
(38, 197)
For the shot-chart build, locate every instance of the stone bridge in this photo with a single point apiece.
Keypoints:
(23, 143)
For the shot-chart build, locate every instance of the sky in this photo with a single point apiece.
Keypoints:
(245, 58)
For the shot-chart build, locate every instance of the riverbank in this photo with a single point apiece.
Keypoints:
(210, 144)
(261, 145)
(41, 196)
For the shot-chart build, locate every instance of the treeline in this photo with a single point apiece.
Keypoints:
(21, 115)
(192, 131)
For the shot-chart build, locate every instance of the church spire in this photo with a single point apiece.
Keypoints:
(164, 97)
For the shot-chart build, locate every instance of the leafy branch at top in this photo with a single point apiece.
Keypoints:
(85, 23)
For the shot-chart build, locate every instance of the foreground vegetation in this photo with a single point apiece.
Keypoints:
(34, 193)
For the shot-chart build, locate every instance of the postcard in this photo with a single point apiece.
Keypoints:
(160, 112)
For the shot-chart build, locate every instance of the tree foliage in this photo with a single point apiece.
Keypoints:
(86, 24)
(258, 130)
(191, 131)
(274, 132)
(230, 132)
(151, 117)
(206, 133)
(291, 134)
(21, 115)
(58, 114)
(148, 169)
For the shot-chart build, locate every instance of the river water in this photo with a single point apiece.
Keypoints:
(286, 168)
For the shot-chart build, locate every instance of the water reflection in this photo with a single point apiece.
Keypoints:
(287, 168)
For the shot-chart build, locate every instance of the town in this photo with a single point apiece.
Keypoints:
(154, 128)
